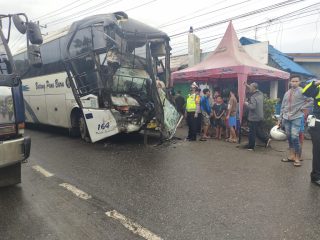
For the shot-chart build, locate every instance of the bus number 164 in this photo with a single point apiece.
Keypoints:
(103, 126)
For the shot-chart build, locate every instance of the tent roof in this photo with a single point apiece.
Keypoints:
(227, 61)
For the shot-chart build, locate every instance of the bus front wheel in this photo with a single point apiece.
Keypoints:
(84, 130)
(74, 130)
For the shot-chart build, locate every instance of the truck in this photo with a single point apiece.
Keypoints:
(14, 145)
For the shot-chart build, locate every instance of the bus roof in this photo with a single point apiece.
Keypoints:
(133, 30)
(128, 26)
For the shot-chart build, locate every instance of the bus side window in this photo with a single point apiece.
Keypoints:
(81, 43)
(99, 38)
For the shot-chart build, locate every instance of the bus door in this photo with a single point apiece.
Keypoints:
(97, 120)
(166, 113)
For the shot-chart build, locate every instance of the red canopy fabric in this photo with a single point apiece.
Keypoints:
(230, 60)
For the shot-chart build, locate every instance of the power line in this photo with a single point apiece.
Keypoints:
(147, 3)
(194, 23)
(85, 11)
(193, 12)
(299, 12)
(224, 8)
(49, 13)
(94, 9)
(278, 5)
(243, 30)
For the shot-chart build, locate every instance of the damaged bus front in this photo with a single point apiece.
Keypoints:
(112, 64)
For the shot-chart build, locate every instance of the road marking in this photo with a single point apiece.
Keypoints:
(132, 226)
(79, 193)
(42, 171)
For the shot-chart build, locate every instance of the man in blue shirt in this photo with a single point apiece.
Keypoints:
(206, 113)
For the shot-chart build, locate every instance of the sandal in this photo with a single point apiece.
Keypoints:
(297, 163)
(286, 160)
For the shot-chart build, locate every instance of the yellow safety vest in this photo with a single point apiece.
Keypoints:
(317, 97)
(191, 103)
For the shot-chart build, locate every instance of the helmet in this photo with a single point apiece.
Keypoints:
(278, 134)
(194, 85)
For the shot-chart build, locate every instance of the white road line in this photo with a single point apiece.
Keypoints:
(42, 171)
(132, 226)
(79, 193)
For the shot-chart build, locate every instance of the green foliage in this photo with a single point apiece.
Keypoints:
(269, 112)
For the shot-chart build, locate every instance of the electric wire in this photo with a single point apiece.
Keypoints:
(297, 14)
(192, 13)
(278, 5)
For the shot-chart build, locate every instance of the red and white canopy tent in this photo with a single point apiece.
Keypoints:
(230, 61)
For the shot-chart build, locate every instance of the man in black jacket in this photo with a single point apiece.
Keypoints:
(313, 90)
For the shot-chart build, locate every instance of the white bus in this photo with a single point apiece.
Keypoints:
(98, 79)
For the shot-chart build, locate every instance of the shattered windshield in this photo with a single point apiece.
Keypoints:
(130, 80)
(129, 75)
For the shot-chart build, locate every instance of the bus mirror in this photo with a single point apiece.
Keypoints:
(158, 49)
(34, 33)
(34, 56)
(19, 24)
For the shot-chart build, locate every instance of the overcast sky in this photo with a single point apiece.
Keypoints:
(299, 33)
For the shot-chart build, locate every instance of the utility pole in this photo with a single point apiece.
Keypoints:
(255, 33)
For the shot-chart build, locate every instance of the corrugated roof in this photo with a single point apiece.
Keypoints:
(305, 55)
(283, 60)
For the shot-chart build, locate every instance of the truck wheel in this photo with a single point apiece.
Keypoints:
(84, 130)
(10, 175)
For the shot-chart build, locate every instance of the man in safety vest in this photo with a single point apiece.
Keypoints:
(192, 111)
(313, 90)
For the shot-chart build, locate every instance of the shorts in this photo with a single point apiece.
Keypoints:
(232, 121)
(212, 122)
(219, 122)
(205, 119)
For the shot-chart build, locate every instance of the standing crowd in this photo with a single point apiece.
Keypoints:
(204, 112)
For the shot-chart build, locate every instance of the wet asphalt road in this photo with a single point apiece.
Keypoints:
(181, 190)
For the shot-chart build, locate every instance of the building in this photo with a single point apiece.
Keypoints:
(310, 61)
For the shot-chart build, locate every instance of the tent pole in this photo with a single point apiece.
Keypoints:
(242, 82)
